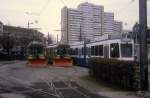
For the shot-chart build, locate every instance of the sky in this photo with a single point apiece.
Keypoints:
(48, 12)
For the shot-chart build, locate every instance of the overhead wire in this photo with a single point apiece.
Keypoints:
(44, 7)
(62, 1)
(126, 7)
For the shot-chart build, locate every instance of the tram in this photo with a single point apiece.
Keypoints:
(105, 47)
(35, 54)
(59, 55)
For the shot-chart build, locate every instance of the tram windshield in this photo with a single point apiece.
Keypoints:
(126, 50)
(35, 49)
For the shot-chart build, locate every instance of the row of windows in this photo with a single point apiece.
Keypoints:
(100, 50)
(92, 51)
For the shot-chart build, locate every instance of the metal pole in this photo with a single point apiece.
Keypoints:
(28, 25)
(143, 45)
(85, 52)
(57, 38)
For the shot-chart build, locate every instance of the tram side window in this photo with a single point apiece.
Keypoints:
(89, 51)
(72, 52)
(96, 50)
(114, 50)
(82, 51)
(76, 51)
(92, 50)
(100, 50)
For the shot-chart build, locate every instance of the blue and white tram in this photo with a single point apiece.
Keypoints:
(109, 48)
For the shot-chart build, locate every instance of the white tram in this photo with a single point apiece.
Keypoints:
(108, 47)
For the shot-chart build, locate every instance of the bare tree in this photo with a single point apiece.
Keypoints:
(7, 42)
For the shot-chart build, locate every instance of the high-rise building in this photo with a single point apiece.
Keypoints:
(108, 23)
(87, 21)
(92, 19)
(71, 25)
(1, 33)
(1, 28)
(74, 25)
(117, 27)
(64, 25)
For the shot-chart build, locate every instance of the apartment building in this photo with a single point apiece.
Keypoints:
(92, 19)
(71, 25)
(1, 28)
(108, 23)
(87, 21)
(118, 27)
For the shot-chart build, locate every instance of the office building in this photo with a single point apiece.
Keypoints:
(92, 19)
(1, 28)
(108, 23)
(117, 27)
(71, 25)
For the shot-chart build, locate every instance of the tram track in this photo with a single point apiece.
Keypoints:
(61, 86)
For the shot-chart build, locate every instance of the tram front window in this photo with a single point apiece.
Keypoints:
(114, 50)
(126, 50)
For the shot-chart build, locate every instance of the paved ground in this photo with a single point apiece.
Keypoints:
(68, 81)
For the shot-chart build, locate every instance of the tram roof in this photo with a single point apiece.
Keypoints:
(105, 37)
(35, 43)
(52, 46)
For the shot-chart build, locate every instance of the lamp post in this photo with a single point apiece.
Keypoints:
(29, 23)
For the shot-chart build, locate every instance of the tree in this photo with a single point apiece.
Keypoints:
(7, 43)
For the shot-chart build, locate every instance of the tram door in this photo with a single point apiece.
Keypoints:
(106, 51)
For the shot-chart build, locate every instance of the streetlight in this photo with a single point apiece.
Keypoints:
(32, 23)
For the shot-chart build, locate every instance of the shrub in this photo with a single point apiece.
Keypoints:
(120, 73)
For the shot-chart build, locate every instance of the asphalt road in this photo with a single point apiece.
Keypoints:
(19, 80)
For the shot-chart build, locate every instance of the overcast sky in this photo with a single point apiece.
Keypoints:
(12, 12)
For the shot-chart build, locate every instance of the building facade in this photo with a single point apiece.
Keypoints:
(22, 36)
(108, 23)
(92, 19)
(64, 25)
(1, 28)
(88, 21)
(74, 25)
(1, 33)
(118, 27)
(71, 25)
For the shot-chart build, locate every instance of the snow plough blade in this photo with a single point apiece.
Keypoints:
(37, 63)
(62, 62)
